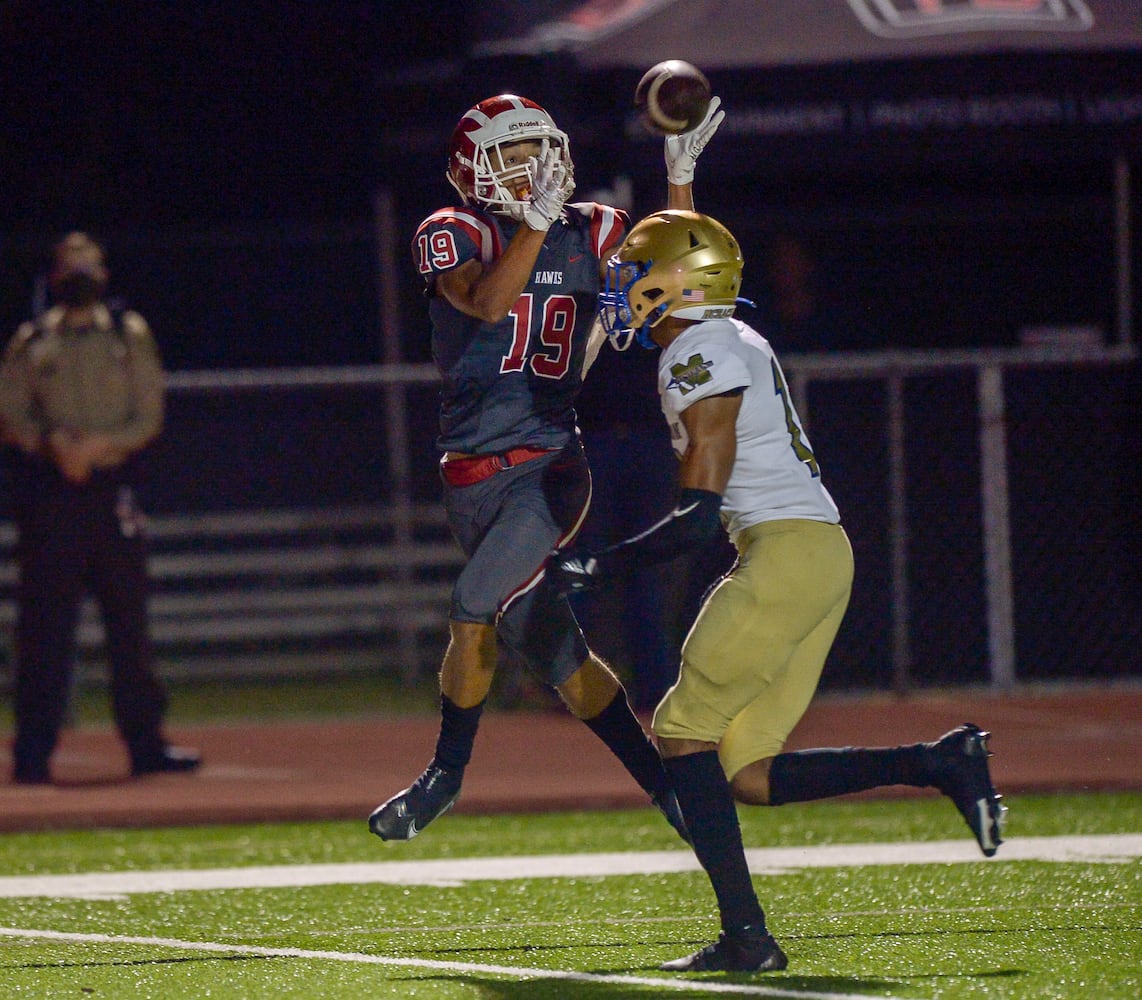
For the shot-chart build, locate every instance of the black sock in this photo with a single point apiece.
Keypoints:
(617, 726)
(708, 808)
(457, 734)
(806, 775)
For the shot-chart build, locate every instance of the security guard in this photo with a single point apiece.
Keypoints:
(81, 391)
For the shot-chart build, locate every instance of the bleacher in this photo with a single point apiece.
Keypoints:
(285, 591)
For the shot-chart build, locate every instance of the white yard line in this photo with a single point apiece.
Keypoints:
(1098, 849)
(1114, 848)
(510, 971)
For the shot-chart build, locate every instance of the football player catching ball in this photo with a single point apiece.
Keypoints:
(511, 274)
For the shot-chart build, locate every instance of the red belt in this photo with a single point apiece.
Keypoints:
(466, 471)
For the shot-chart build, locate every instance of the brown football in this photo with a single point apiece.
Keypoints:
(672, 97)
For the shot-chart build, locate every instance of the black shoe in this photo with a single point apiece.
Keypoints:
(667, 804)
(751, 949)
(957, 764)
(168, 760)
(410, 811)
(26, 774)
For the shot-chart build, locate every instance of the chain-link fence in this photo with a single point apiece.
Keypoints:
(973, 566)
(906, 442)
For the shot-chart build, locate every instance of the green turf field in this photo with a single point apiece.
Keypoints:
(583, 906)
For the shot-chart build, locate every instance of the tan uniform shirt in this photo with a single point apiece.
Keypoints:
(94, 380)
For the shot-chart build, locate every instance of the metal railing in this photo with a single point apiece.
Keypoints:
(408, 561)
(892, 368)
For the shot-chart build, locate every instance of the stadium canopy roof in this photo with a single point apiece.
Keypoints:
(871, 78)
(737, 34)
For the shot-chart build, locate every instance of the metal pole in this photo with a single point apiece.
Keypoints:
(396, 411)
(996, 527)
(898, 536)
(1122, 234)
(396, 419)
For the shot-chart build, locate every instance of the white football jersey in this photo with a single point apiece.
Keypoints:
(775, 474)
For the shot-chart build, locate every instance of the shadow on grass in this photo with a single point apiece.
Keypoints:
(775, 985)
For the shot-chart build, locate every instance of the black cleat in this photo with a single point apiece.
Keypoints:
(751, 949)
(410, 811)
(31, 771)
(166, 760)
(668, 805)
(957, 765)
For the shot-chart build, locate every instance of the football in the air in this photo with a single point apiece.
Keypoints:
(672, 97)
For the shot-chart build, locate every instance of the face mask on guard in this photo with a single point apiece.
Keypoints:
(77, 289)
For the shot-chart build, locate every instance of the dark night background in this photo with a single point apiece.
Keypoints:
(229, 154)
(229, 148)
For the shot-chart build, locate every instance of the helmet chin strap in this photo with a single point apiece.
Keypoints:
(512, 209)
(642, 335)
(464, 197)
(622, 339)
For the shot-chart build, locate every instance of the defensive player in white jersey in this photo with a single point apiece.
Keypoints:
(753, 659)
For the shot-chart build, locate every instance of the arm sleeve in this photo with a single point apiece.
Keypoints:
(17, 411)
(148, 388)
(450, 237)
(693, 522)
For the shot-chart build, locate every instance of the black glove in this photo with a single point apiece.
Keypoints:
(573, 570)
(693, 522)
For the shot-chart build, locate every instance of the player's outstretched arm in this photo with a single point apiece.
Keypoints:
(681, 153)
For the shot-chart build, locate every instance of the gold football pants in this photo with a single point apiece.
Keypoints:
(752, 660)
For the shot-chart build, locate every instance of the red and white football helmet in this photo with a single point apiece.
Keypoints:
(475, 162)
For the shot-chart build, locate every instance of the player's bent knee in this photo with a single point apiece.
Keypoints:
(471, 638)
(590, 689)
(751, 784)
(469, 663)
(669, 748)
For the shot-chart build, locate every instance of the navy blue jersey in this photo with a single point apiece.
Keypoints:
(514, 382)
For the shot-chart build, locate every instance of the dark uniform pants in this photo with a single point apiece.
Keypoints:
(507, 525)
(74, 540)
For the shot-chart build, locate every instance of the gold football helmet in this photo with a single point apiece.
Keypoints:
(672, 263)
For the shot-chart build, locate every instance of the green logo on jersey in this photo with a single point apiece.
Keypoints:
(693, 373)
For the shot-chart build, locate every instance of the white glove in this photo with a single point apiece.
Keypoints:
(548, 174)
(682, 151)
